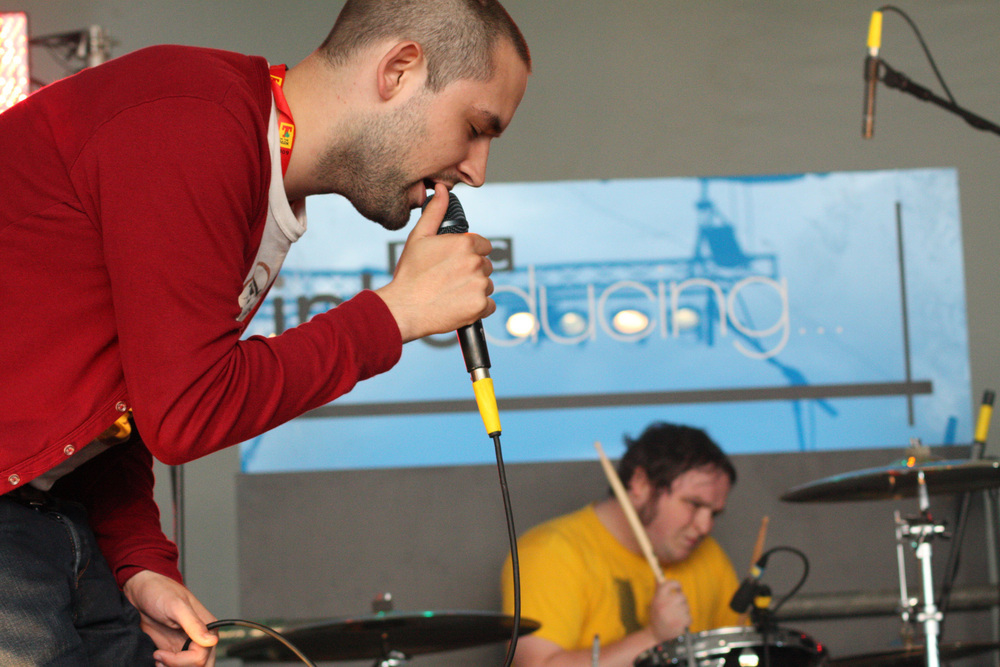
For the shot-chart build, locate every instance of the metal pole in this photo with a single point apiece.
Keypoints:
(98, 46)
(905, 607)
(930, 614)
(177, 493)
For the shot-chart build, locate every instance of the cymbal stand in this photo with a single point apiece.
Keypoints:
(381, 604)
(919, 531)
(906, 603)
(392, 659)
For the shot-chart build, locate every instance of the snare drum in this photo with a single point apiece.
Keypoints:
(738, 647)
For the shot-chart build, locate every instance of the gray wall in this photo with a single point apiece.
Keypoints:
(631, 88)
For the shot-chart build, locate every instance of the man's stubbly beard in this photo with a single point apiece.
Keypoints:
(648, 511)
(369, 165)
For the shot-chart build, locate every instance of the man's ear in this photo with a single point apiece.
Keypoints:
(640, 488)
(401, 66)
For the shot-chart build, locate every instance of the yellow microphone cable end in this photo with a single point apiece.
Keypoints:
(875, 33)
(487, 402)
(985, 414)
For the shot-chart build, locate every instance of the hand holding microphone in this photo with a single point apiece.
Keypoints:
(439, 285)
(472, 337)
(436, 288)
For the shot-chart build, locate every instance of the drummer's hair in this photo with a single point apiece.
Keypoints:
(666, 451)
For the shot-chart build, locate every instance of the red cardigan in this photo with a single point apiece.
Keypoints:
(132, 200)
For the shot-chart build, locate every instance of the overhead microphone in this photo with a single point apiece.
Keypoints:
(871, 74)
(472, 337)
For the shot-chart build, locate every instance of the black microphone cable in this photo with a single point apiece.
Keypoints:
(923, 45)
(512, 538)
(263, 628)
(802, 577)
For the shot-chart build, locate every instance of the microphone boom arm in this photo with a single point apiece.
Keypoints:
(896, 79)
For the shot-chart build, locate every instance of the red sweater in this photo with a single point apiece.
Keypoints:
(132, 200)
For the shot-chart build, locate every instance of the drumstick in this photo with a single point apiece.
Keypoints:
(633, 519)
(758, 548)
(640, 533)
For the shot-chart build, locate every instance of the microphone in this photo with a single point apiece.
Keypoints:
(749, 589)
(871, 74)
(472, 337)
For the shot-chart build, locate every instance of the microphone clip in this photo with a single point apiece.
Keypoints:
(761, 614)
(750, 595)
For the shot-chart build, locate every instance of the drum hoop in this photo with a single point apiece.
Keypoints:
(709, 642)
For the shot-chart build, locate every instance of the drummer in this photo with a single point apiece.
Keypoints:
(584, 576)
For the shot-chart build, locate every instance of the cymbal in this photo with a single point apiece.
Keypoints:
(900, 481)
(374, 637)
(915, 656)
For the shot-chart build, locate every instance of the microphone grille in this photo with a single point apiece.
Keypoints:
(454, 218)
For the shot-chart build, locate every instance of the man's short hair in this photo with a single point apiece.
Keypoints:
(459, 37)
(666, 451)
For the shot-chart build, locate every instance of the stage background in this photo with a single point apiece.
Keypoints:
(782, 313)
(631, 89)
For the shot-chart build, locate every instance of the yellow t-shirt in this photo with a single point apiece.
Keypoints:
(578, 581)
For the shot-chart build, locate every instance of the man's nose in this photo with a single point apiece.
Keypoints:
(704, 521)
(473, 167)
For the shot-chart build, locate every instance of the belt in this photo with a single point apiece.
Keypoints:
(29, 495)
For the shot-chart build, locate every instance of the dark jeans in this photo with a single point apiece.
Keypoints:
(60, 606)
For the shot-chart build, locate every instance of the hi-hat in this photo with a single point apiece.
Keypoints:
(374, 637)
(900, 481)
(915, 656)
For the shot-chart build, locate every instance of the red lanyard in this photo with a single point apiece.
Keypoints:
(286, 126)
